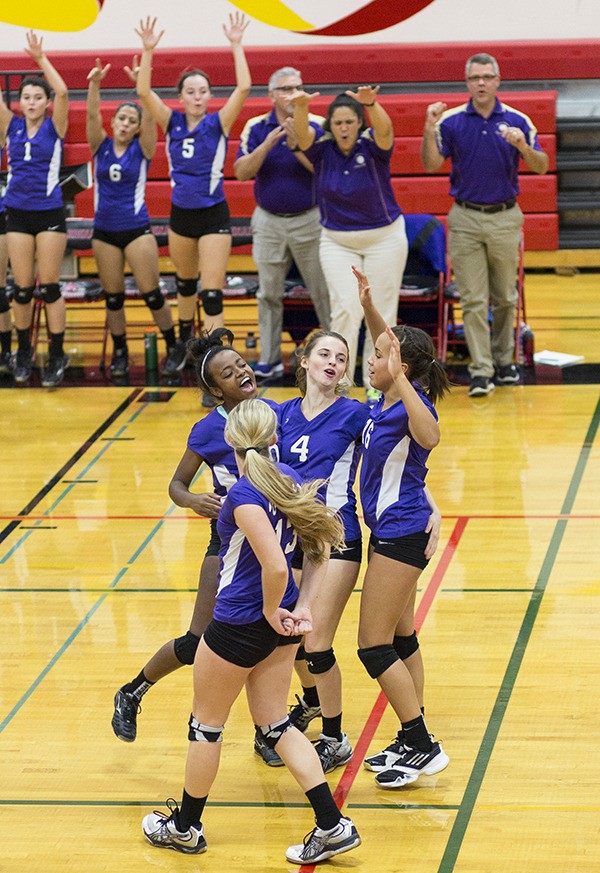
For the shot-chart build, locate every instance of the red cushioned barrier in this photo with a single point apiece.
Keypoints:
(385, 62)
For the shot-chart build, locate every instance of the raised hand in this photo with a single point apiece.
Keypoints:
(435, 112)
(364, 289)
(237, 25)
(147, 34)
(34, 46)
(365, 94)
(98, 72)
(133, 70)
(394, 357)
(302, 98)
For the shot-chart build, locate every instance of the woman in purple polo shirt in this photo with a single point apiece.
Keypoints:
(362, 223)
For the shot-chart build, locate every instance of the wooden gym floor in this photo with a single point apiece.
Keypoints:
(98, 569)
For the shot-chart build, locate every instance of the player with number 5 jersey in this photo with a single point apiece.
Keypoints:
(199, 228)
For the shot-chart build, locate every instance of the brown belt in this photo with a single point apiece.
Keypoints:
(488, 208)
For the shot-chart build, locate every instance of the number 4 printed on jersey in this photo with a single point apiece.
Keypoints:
(300, 448)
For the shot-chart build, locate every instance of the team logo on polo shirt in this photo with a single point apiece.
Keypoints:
(360, 161)
(501, 127)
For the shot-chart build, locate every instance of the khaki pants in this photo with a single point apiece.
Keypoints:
(485, 250)
(276, 240)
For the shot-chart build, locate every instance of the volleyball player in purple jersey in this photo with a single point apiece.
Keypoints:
(196, 141)
(121, 222)
(6, 361)
(252, 639)
(36, 228)
(223, 372)
(397, 439)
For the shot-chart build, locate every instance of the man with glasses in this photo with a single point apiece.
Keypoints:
(285, 223)
(484, 139)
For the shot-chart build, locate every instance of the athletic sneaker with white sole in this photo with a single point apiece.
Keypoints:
(319, 845)
(411, 764)
(161, 830)
(333, 753)
(301, 714)
(388, 757)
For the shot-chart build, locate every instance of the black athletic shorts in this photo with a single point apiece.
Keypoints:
(195, 223)
(245, 645)
(34, 221)
(409, 549)
(352, 552)
(214, 543)
(2, 223)
(121, 238)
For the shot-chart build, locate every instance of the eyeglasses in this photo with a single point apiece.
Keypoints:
(287, 89)
(488, 77)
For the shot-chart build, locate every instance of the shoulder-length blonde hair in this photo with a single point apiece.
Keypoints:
(250, 430)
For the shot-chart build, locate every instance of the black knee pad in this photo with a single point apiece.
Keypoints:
(185, 647)
(154, 299)
(272, 733)
(300, 654)
(50, 292)
(23, 295)
(186, 287)
(115, 302)
(204, 733)
(320, 662)
(212, 301)
(4, 304)
(377, 659)
(406, 646)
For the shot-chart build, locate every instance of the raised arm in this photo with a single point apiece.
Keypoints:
(151, 102)
(5, 117)
(375, 322)
(305, 134)
(247, 166)
(148, 134)
(381, 122)
(422, 425)
(231, 110)
(94, 128)
(60, 110)
(430, 154)
(536, 159)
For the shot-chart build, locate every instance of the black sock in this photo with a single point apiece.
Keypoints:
(119, 342)
(138, 686)
(310, 695)
(56, 345)
(23, 341)
(5, 339)
(326, 812)
(190, 812)
(332, 727)
(185, 330)
(169, 336)
(415, 734)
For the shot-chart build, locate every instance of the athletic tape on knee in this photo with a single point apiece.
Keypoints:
(185, 647)
(272, 733)
(50, 292)
(23, 294)
(377, 659)
(320, 662)
(154, 299)
(186, 287)
(406, 646)
(4, 304)
(203, 733)
(115, 302)
(212, 301)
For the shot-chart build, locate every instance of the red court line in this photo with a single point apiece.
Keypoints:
(192, 517)
(364, 741)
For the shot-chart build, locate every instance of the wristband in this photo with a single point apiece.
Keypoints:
(296, 149)
(368, 105)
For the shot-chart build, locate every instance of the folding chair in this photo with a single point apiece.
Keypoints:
(421, 300)
(452, 327)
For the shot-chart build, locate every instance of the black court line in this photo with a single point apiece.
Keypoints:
(490, 736)
(10, 527)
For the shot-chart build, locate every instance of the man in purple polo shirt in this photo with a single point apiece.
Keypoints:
(285, 223)
(484, 139)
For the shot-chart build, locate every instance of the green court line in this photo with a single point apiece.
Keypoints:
(490, 736)
(226, 804)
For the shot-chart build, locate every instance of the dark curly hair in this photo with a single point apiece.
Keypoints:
(202, 349)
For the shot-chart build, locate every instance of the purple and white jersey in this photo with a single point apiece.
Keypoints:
(327, 447)
(207, 439)
(392, 476)
(33, 166)
(120, 186)
(196, 159)
(239, 595)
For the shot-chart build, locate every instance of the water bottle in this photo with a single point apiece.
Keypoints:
(527, 346)
(150, 351)
(251, 353)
